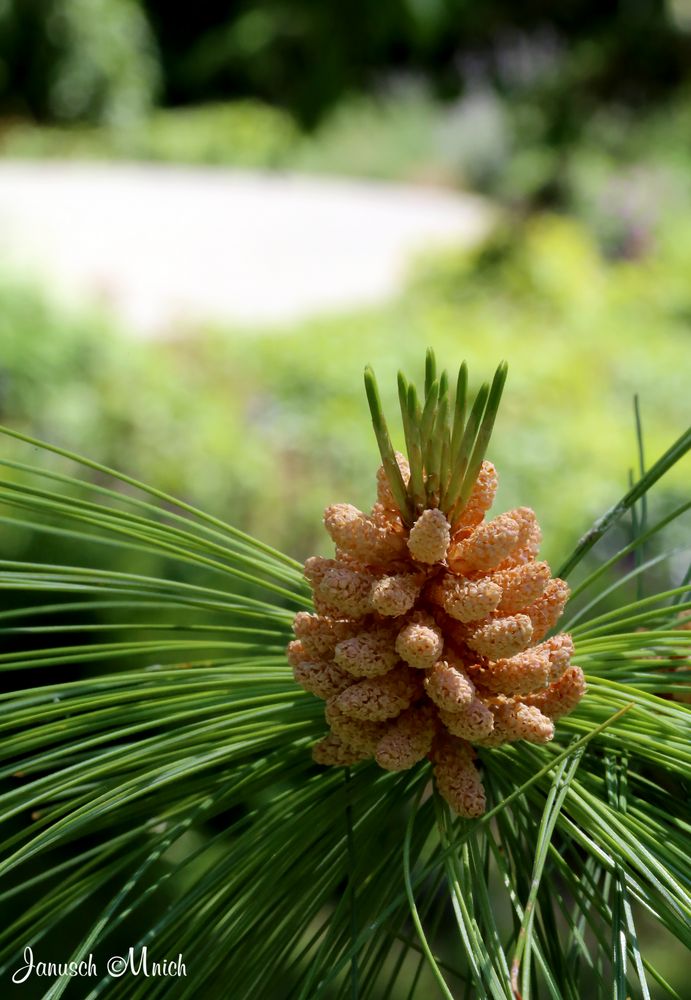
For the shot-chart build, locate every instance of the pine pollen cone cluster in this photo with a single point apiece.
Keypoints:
(430, 642)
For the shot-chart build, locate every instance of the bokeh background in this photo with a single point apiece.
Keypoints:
(211, 220)
(573, 126)
(344, 186)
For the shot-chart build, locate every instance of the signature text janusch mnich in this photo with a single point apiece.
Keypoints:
(135, 962)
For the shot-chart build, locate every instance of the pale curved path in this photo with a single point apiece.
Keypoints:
(170, 246)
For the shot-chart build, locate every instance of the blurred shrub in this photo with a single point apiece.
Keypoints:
(404, 133)
(75, 60)
(394, 136)
(241, 133)
(266, 429)
(244, 133)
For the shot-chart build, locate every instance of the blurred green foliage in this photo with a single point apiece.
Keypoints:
(246, 132)
(241, 133)
(76, 60)
(107, 60)
(307, 56)
(267, 428)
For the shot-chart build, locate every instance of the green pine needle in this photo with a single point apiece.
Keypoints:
(462, 457)
(483, 436)
(388, 455)
(430, 371)
(416, 486)
(444, 460)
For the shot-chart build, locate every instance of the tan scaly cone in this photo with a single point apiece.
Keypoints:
(429, 642)
(430, 629)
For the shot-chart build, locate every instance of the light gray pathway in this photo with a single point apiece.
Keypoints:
(169, 246)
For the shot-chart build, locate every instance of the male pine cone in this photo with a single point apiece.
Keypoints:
(429, 642)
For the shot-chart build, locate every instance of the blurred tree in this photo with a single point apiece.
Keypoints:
(306, 55)
(77, 59)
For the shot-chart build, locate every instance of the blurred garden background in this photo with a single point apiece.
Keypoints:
(547, 146)
(574, 126)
